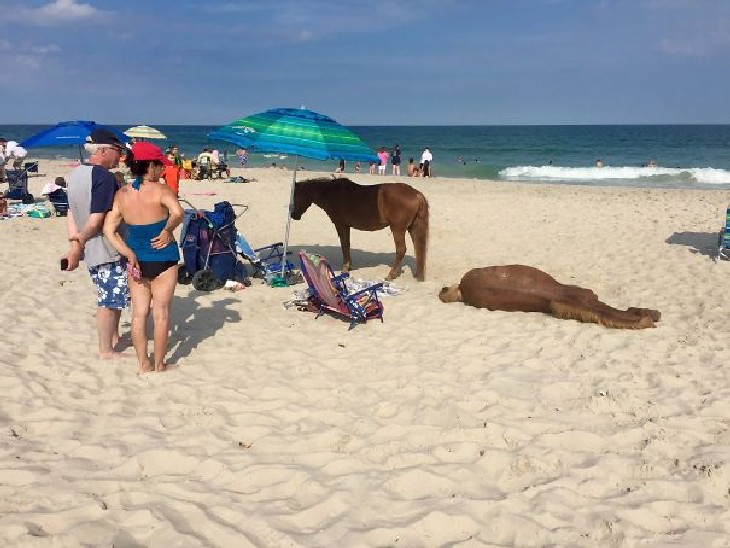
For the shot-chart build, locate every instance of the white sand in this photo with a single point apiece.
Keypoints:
(445, 425)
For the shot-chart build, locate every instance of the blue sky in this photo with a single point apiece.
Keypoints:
(376, 62)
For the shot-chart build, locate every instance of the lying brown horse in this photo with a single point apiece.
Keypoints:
(369, 207)
(527, 289)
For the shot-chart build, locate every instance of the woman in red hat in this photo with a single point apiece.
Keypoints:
(151, 211)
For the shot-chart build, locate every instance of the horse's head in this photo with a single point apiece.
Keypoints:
(305, 193)
(302, 200)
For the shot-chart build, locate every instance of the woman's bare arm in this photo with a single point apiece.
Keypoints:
(175, 217)
(111, 224)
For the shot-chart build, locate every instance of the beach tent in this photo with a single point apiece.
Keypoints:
(299, 132)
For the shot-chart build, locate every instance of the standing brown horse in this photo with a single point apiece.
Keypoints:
(369, 207)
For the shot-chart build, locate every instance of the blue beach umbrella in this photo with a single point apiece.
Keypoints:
(299, 132)
(73, 132)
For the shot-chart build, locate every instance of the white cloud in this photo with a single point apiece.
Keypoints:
(45, 49)
(65, 10)
(20, 57)
(54, 13)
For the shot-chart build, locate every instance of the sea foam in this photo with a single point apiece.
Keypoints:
(704, 175)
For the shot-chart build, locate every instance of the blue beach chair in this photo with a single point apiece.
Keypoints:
(266, 261)
(723, 239)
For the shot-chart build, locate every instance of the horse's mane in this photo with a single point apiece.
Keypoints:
(329, 181)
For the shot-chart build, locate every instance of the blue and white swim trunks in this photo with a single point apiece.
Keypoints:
(110, 280)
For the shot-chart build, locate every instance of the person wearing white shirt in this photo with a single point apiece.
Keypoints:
(2, 159)
(426, 159)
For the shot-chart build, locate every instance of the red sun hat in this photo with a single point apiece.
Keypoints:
(145, 151)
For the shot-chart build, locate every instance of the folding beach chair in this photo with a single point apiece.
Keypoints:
(723, 239)
(328, 292)
(17, 180)
(267, 261)
(59, 201)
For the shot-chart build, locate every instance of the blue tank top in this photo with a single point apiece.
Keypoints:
(138, 239)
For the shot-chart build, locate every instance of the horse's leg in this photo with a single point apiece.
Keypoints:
(419, 235)
(420, 241)
(399, 237)
(344, 233)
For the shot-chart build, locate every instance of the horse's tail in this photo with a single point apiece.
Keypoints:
(419, 234)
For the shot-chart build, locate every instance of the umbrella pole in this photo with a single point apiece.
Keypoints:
(288, 218)
(81, 155)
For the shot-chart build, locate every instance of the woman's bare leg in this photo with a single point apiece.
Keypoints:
(141, 296)
(163, 289)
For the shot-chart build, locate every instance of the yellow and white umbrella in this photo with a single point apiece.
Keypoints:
(144, 132)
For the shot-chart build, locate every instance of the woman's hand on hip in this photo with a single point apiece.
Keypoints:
(163, 240)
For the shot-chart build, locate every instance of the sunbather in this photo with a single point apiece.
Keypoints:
(151, 211)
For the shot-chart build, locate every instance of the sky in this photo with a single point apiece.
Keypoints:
(375, 62)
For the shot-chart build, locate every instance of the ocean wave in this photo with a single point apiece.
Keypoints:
(701, 175)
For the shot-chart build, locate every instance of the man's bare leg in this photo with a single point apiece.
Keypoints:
(107, 328)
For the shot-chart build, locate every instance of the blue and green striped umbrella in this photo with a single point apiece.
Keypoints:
(298, 132)
(295, 131)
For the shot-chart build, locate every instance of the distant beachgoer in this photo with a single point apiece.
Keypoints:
(340, 166)
(151, 212)
(3, 145)
(426, 159)
(395, 160)
(357, 167)
(599, 163)
(91, 191)
(383, 157)
(171, 174)
(651, 163)
(372, 168)
(58, 184)
(220, 163)
(205, 164)
(412, 169)
(242, 156)
(177, 157)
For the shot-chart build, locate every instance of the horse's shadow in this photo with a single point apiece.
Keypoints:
(192, 323)
(360, 258)
(703, 243)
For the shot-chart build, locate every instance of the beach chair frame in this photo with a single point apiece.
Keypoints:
(328, 292)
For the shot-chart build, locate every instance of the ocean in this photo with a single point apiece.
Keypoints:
(686, 156)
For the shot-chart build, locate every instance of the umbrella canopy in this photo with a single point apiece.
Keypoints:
(296, 131)
(73, 132)
(144, 132)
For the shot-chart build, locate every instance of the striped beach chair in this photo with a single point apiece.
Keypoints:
(723, 239)
(329, 293)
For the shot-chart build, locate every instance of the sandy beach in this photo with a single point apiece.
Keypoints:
(445, 425)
